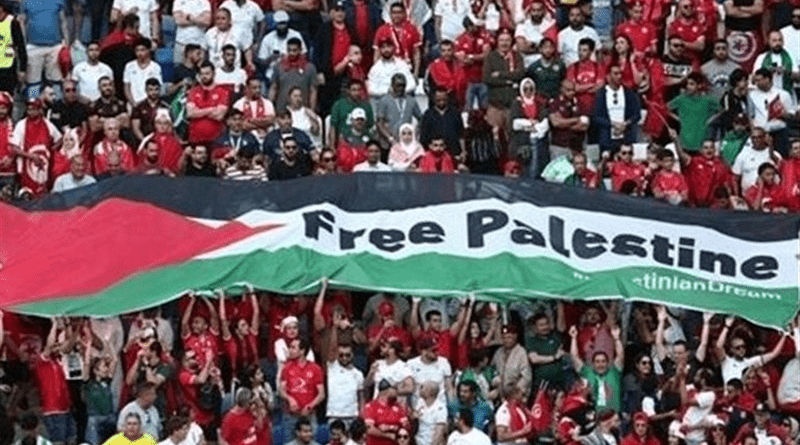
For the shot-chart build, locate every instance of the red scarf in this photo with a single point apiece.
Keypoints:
(170, 150)
(530, 108)
(248, 110)
(37, 142)
(434, 162)
(511, 60)
(298, 63)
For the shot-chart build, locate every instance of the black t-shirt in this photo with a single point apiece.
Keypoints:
(280, 170)
(207, 170)
(71, 115)
(182, 72)
(111, 108)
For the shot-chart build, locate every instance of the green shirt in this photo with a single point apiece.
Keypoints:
(694, 112)
(547, 345)
(341, 111)
(99, 401)
(731, 145)
(606, 388)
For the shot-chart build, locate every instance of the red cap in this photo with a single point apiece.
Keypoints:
(565, 428)
(385, 41)
(6, 99)
(641, 417)
(512, 167)
(509, 329)
(426, 342)
(386, 309)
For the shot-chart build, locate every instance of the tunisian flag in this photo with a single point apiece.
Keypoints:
(541, 411)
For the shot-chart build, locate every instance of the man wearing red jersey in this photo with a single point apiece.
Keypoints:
(407, 39)
(642, 34)
(587, 75)
(669, 185)
(34, 138)
(766, 195)
(641, 434)
(688, 27)
(301, 386)
(471, 48)
(386, 330)
(206, 106)
(447, 73)
(52, 384)
(627, 176)
(197, 333)
(384, 416)
(705, 173)
(191, 378)
(111, 143)
(240, 426)
(240, 339)
(443, 337)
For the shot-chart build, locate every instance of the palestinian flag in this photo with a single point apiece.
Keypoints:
(135, 242)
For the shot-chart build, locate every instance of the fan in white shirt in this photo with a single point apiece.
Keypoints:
(146, 10)
(373, 163)
(569, 37)
(465, 433)
(246, 15)
(87, 74)
(379, 79)
(181, 430)
(222, 34)
(275, 44)
(734, 364)
(229, 74)
(761, 98)
(138, 71)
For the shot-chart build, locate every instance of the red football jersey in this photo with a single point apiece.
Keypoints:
(301, 381)
(379, 413)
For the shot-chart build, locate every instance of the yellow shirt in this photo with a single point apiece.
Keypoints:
(120, 439)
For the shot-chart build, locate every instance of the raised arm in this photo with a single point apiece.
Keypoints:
(577, 362)
(769, 356)
(186, 328)
(223, 317)
(455, 328)
(661, 351)
(414, 322)
(723, 337)
(319, 319)
(464, 328)
(619, 348)
(254, 322)
(212, 315)
(702, 348)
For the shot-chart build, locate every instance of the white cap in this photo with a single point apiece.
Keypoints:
(280, 17)
(358, 113)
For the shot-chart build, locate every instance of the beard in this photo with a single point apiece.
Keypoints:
(282, 32)
(392, 400)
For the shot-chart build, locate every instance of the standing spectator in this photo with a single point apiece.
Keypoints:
(46, 32)
(192, 18)
(146, 10)
(240, 338)
(718, 70)
(387, 65)
(449, 18)
(548, 71)
(304, 118)
(537, 25)
(112, 143)
(131, 432)
(301, 386)
(247, 16)
(143, 407)
(117, 49)
(384, 416)
(391, 368)
(642, 33)
(754, 153)
(345, 381)
(51, 381)
(769, 108)
(143, 118)
(184, 76)
(465, 432)
(332, 54)
(448, 73)
(294, 70)
(176, 429)
(429, 367)
(405, 36)
(734, 100)
(734, 364)
(467, 398)
(569, 38)
(627, 175)
(200, 331)
(443, 121)
(195, 379)
(395, 109)
(206, 106)
(151, 367)
(705, 173)
(88, 73)
(695, 108)
(76, 177)
(275, 44)
(568, 124)
(668, 184)
(100, 402)
(471, 49)
(511, 361)
(688, 28)
(14, 61)
(303, 433)
(785, 70)
(791, 40)
(222, 34)
(545, 353)
(529, 128)
(743, 30)
(512, 419)
(677, 67)
(587, 76)
(617, 113)
(239, 425)
(35, 137)
(502, 68)
(431, 414)
(257, 111)
(605, 378)
(230, 75)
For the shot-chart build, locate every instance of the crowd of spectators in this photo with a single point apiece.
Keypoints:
(254, 368)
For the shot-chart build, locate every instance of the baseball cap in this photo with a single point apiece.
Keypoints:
(280, 17)
(358, 113)
(338, 5)
(762, 408)
(509, 329)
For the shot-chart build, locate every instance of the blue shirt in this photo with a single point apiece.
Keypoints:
(482, 412)
(42, 22)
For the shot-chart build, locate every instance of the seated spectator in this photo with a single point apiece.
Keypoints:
(380, 79)
(430, 413)
(292, 164)
(195, 162)
(244, 168)
(582, 175)
(111, 143)
(767, 195)
(272, 147)
(144, 113)
(138, 72)
(76, 177)
(293, 70)
(627, 175)
(69, 112)
(240, 425)
(327, 163)
(233, 139)
(142, 407)
(113, 167)
(405, 154)
(373, 162)
(150, 161)
(70, 147)
(176, 429)
(763, 426)
(352, 147)
(131, 430)
(169, 146)
(257, 111)
(669, 185)
(222, 34)
(230, 75)
(206, 106)
(466, 433)
(384, 416)
(35, 137)
(437, 159)
(303, 433)
(343, 108)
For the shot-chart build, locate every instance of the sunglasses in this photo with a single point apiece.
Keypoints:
(69, 90)
(328, 159)
(626, 153)
(402, 436)
(737, 347)
(645, 362)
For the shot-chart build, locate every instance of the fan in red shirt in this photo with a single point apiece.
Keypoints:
(767, 195)
(352, 147)
(443, 337)
(241, 345)
(170, 148)
(384, 416)
(643, 34)
(197, 334)
(33, 139)
(669, 185)
(437, 159)
(111, 143)
(407, 39)
(240, 426)
(447, 73)
(471, 48)
(587, 75)
(627, 176)
(301, 383)
(7, 154)
(790, 175)
(705, 173)
(641, 434)
(687, 26)
(386, 330)
(206, 106)
(191, 379)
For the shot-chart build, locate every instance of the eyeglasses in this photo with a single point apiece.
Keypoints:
(402, 436)
(626, 153)
(328, 159)
(645, 362)
(290, 146)
(69, 90)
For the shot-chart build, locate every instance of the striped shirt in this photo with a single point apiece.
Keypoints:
(255, 173)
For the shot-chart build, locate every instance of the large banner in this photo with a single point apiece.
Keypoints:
(136, 242)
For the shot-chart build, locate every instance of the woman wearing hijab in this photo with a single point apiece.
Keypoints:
(529, 128)
(405, 154)
(169, 146)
